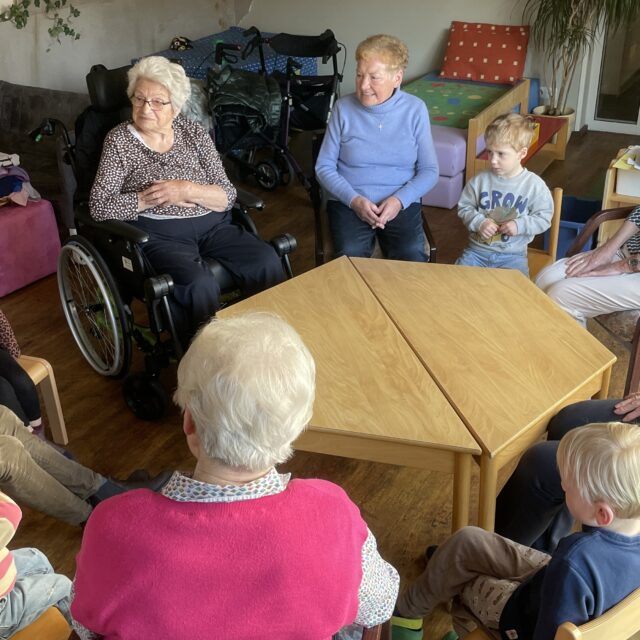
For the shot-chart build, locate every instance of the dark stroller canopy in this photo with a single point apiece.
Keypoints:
(229, 87)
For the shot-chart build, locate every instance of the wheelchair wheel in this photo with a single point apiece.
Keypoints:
(145, 396)
(93, 308)
(267, 175)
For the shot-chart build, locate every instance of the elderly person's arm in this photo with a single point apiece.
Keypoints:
(379, 587)
(327, 163)
(218, 194)
(599, 261)
(427, 170)
(107, 200)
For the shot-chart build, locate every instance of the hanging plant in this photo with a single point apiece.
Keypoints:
(60, 12)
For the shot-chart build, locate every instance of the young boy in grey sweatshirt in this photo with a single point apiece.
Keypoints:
(504, 208)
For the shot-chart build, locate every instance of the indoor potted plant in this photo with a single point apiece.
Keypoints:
(60, 12)
(565, 30)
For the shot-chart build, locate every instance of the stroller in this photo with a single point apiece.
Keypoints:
(243, 104)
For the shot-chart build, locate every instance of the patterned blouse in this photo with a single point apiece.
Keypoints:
(380, 581)
(632, 245)
(128, 166)
(8, 340)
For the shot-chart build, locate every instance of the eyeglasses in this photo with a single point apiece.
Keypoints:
(155, 104)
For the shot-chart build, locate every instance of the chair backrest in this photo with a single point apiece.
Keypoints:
(619, 623)
(540, 258)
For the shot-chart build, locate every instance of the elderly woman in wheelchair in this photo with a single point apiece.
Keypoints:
(162, 174)
(162, 224)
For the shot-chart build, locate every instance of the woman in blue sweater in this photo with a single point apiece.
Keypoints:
(377, 159)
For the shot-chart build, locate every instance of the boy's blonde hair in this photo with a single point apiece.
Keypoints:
(603, 462)
(512, 129)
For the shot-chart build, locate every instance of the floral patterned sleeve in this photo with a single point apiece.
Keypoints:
(8, 340)
(634, 216)
(379, 587)
(108, 200)
(212, 164)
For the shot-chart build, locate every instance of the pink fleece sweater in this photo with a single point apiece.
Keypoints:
(284, 566)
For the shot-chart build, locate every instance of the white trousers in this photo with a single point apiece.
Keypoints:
(592, 296)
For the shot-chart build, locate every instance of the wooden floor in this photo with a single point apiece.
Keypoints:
(405, 508)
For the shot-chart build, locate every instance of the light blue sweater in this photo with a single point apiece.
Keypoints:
(378, 151)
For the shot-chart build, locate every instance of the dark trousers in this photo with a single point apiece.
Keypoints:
(17, 391)
(401, 239)
(530, 508)
(178, 246)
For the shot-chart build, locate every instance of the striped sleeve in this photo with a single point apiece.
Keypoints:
(10, 515)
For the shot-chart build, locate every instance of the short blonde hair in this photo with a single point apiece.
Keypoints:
(603, 461)
(511, 128)
(169, 74)
(389, 49)
(249, 384)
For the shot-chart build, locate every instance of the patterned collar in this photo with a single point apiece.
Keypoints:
(182, 488)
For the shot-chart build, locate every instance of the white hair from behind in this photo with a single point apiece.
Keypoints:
(249, 383)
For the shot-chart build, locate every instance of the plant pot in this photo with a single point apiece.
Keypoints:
(570, 114)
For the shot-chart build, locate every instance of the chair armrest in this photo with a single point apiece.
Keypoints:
(114, 227)
(249, 200)
(592, 224)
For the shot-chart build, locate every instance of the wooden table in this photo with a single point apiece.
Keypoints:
(501, 351)
(374, 398)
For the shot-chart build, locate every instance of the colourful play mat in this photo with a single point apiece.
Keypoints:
(452, 103)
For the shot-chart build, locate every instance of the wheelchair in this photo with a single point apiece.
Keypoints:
(103, 275)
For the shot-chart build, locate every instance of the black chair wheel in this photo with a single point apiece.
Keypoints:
(267, 175)
(145, 396)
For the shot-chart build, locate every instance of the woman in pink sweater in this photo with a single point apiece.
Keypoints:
(234, 550)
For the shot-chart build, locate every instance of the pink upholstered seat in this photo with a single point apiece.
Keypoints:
(29, 244)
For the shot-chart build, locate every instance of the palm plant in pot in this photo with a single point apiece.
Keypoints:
(565, 31)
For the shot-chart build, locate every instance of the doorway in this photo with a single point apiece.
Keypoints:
(612, 82)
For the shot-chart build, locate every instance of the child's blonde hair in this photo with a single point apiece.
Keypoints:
(603, 462)
(512, 129)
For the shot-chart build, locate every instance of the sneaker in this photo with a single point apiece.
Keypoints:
(406, 628)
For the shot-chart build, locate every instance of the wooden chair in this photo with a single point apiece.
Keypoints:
(541, 258)
(381, 632)
(622, 325)
(619, 623)
(41, 372)
(51, 625)
(325, 251)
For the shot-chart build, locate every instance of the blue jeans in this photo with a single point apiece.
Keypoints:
(530, 508)
(36, 589)
(474, 256)
(401, 239)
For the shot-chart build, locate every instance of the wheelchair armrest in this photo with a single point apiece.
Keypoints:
(114, 227)
(249, 200)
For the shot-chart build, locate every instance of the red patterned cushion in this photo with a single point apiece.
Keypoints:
(485, 52)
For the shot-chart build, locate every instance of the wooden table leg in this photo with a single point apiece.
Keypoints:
(488, 491)
(461, 491)
(604, 389)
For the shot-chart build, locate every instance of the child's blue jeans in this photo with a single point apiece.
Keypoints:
(474, 256)
(36, 589)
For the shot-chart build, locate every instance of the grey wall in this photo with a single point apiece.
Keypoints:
(114, 31)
